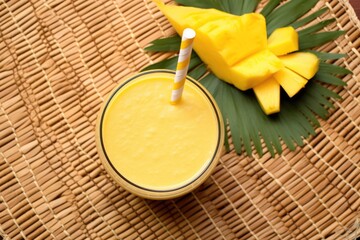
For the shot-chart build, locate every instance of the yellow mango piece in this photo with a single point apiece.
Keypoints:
(224, 40)
(283, 41)
(253, 70)
(304, 63)
(228, 37)
(233, 37)
(290, 81)
(268, 95)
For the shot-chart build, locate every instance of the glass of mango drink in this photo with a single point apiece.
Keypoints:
(155, 149)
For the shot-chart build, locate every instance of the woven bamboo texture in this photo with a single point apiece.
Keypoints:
(59, 60)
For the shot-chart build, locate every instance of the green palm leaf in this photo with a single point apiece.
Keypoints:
(327, 56)
(288, 13)
(329, 78)
(169, 44)
(315, 27)
(333, 69)
(246, 7)
(318, 39)
(272, 4)
(250, 128)
(198, 71)
(172, 62)
(303, 21)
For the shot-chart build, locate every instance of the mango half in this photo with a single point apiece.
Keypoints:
(227, 43)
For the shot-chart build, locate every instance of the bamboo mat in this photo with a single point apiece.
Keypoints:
(59, 59)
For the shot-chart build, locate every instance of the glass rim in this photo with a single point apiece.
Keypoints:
(213, 106)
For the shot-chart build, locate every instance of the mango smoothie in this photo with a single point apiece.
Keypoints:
(155, 149)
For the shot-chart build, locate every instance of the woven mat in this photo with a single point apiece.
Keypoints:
(59, 59)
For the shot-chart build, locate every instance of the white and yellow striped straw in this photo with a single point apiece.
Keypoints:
(182, 64)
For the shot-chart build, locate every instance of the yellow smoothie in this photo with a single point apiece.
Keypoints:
(153, 145)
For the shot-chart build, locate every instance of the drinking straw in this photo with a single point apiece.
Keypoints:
(182, 64)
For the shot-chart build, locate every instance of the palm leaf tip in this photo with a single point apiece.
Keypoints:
(305, 20)
(288, 13)
(317, 39)
(326, 55)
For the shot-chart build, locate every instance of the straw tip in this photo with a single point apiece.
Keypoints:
(189, 33)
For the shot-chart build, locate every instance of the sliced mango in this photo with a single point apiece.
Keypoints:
(290, 81)
(237, 50)
(283, 41)
(224, 40)
(254, 69)
(219, 32)
(304, 63)
(268, 95)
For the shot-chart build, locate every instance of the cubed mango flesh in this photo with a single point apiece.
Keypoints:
(304, 63)
(290, 81)
(268, 95)
(283, 41)
(254, 69)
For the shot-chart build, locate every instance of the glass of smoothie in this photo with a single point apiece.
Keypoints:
(155, 149)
